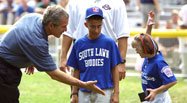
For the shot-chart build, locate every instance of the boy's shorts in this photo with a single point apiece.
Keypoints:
(145, 9)
(92, 97)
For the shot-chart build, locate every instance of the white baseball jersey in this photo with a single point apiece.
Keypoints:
(183, 41)
(115, 23)
(183, 14)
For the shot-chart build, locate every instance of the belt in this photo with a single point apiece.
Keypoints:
(6, 63)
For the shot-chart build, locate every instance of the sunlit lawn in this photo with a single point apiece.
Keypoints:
(39, 88)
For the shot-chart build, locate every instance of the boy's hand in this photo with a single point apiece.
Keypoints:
(74, 99)
(114, 98)
(152, 94)
(150, 18)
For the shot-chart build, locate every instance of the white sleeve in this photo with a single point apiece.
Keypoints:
(71, 23)
(183, 14)
(121, 27)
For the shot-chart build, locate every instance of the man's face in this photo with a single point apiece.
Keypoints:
(94, 27)
(58, 30)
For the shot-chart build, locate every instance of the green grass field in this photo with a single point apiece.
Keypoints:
(39, 88)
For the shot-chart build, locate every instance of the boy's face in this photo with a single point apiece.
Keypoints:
(136, 45)
(94, 28)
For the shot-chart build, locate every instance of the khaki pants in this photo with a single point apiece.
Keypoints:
(92, 97)
(7, 21)
(184, 64)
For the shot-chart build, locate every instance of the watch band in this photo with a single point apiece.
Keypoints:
(75, 93)
(123, 61)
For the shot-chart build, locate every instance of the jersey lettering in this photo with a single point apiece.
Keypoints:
(102, 52)
(86, 53)
(98, 52)
(94, 62)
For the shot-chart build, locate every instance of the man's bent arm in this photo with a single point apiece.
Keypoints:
(66, 43)
(122, 45)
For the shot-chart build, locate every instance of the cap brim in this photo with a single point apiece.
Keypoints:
(93, 15)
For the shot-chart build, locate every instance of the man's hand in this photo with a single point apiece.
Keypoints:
(91, 86)
(122, 71)
(29, 70)
(63, 65)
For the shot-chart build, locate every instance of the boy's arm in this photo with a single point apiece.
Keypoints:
(154, 92)
(76, 74)
(75, 89)
(74, 94)
(150, 23)
(115, 77)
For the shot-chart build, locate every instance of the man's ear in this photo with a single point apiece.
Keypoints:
(85, 24)
(50, 25)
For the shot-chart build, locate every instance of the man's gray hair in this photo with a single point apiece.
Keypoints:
(54, 14)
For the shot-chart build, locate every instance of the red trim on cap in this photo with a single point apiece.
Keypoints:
(151, 43)
(143, 45)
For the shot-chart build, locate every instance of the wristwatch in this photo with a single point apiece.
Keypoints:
(123, 61)
(74, 93)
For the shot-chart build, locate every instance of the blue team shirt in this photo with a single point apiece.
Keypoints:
(95, 59)
(156, 72)
(147, 1)
(26, 43)
(4, 6)
(21, 10)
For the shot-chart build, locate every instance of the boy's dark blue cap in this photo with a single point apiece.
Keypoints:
(94, 11)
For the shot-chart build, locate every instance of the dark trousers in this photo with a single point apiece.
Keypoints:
(10, 77)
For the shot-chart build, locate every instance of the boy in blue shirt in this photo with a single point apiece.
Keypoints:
(95, 57)
(157, 76)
